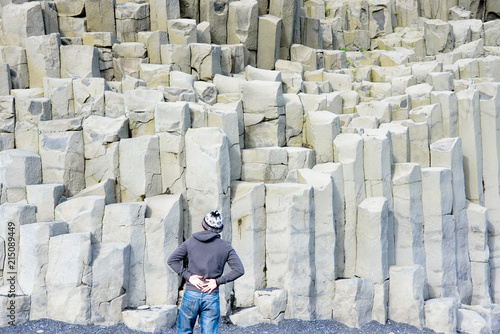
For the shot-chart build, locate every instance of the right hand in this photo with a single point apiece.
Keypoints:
(197, 282)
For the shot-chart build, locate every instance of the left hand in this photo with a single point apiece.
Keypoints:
(196, 280)
(210, 285)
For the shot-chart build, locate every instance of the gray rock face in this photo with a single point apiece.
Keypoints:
(21, 21)
(12, 217)
(353, 301)
(29, 112)
(139, 154)
(321, 128)
(242, 22)
(469, 321)
(161, 11)
(182, 31)
(100, 15)
(88, 96)
(43, 58)
(205, 60)
(446, 153)
(269, 37)
(441, 315)
(248, 217)
(263, 117)
(408, 214)
(163, 230)
(440, 238)
(110, 282)
(410, 290)
(324, 239)
(131, 18)
(45, 197)
(22, 303)
(18, 168)
(124, 223)
(63, 160)
(150, 320)
(33, 261)
(227, 120)
(139, 109)
(372, 258)
(15, 56)
(284, 271)
(351, 146)
(69, 278)
(69, 8)
(83, 214)
(60, 93)
(88, 67)
(348, 150)
(212, 190)
(101, 136)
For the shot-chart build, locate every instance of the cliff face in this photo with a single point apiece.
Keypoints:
(352, 147)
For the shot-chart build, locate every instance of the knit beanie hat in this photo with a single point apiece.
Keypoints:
(213, 222)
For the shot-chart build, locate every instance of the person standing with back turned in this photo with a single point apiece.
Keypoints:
(207, 255)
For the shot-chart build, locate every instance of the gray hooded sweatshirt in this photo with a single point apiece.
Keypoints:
(207, 254)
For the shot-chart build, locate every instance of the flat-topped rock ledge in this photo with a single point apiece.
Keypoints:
(352, 146)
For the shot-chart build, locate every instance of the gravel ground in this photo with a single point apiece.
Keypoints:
(285, 327)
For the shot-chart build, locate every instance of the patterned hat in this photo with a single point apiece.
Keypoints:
(213, 222)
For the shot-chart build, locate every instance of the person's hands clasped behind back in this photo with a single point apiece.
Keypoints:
(209, 286)
(206, 286)
(196, 281)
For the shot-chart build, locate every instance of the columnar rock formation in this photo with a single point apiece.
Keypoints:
(352, 147)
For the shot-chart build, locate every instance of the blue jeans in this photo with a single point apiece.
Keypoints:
(206, 305)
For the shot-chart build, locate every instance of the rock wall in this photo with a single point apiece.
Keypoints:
(353, 148)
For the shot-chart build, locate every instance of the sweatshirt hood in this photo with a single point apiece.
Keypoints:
(205, 236)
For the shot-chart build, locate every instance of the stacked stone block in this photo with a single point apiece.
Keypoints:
(349, 152)
(212, 190)
(408, 215)
(163, 231)
(248, 217)
(172, 119)
(131, 18)
(34, 257)
(446, 153)
(108, 296)
(69, 278)
(124, 223)
(324, 238)
(103, 41)
(264, 117)
(479, 254)
(353, 141)
(61, 148)
(439, 233)
(281, 253)
(83, 214)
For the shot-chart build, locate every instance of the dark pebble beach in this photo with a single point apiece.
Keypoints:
(284, 327)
